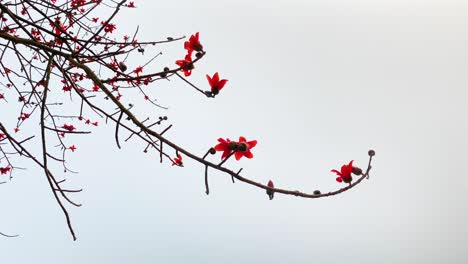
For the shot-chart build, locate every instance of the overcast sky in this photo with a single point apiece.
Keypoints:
(317, 83)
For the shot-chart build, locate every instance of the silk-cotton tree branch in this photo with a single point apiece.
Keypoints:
(65, 67)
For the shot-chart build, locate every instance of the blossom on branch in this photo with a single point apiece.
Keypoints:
(68, 127)
(109, 28)
(243, 149)
(138, 70)
(215, 83)
(4, 170)
(193, 44)
(58, 26)
(24, 116)
(226, 146)
(178, 161)
(186, 65)
(344, 175)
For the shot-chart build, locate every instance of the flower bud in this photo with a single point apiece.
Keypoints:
(270, 192)
(198, 55)
(212, 151)
(122, 66)
(317, 192)
(371, 152)
(357, 171)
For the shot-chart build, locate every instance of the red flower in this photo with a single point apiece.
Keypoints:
(345, 174)
(193, 44)
(16, 129)
(2, 96)
(226, 146)
(215, 83)
(24, 116)
(109, 28)
(131, 4)
(4, 170)
(2, 136)
(177, 161)
(243, 149)
(58, 27)
(186, 65)
(72, 148)
(68, 127)
(95, 19)
(138, 70)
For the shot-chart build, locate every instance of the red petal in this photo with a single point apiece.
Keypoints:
(221, 84)
(339, 179)
(337, 172)
(248, 154)
(252, 143)
(238, 155)
(216, 78)
(242, 139)
(220, 147)
(210, 81)
(225, 154)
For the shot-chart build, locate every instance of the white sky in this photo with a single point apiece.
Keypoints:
(317, 83)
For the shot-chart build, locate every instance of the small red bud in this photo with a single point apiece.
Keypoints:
(270, 192)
